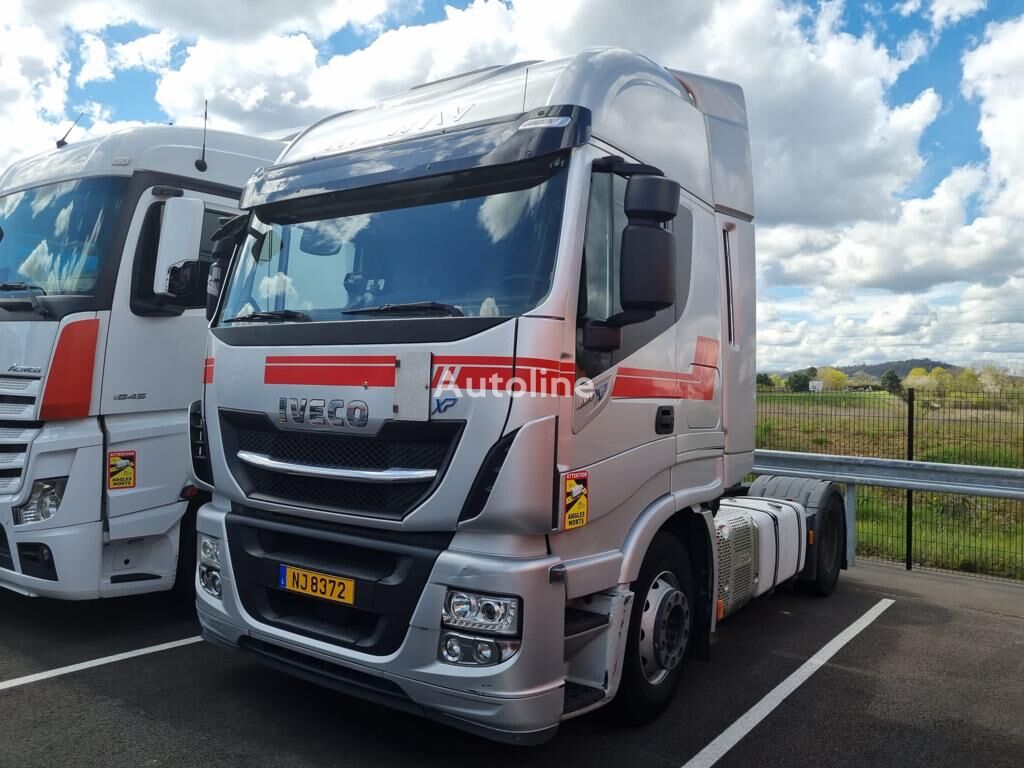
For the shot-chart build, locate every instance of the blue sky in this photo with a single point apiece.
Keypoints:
(888, 222)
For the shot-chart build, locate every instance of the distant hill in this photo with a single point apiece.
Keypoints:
(902, 367)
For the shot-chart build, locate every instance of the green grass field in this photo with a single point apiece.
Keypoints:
(973, 534)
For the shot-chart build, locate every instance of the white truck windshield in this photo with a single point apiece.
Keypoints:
(56, 236)
(489, 255)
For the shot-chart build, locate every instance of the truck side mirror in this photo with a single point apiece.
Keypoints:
(181, 232)
(647, 264)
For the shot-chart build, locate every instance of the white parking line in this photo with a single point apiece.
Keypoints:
(6, 684)
(714, 751)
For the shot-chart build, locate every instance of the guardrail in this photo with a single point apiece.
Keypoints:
(891, 473)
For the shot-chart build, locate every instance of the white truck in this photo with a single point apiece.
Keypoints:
(479, 400)
(98, 361)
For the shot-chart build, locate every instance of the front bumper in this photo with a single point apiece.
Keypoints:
(72, 540)
(519, 700)
(75, 552)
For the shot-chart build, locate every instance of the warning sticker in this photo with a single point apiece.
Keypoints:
(576, 499)
(120, 470)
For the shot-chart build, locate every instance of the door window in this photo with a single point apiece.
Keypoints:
(143, 300)
(599, 290)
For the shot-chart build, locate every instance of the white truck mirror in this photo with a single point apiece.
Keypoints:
(181, 231)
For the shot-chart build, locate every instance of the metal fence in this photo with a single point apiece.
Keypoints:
(933, 527)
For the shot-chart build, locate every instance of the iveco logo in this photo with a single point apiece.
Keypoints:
(24, 369)
(321, 413)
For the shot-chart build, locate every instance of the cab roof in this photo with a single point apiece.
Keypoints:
(692, 127)
(166, 149)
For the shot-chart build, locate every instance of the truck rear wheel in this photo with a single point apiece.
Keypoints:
(830, 547)
(660, 631)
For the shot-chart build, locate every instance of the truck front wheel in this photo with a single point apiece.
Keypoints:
(660, 631)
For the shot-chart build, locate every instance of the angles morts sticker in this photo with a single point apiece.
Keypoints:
(120, 470)
(576, 499)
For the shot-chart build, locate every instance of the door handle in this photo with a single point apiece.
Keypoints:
(665, 421)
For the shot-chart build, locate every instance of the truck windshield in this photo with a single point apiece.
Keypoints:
(448, 254)
(57, 235)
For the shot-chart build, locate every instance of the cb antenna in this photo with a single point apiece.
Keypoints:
(201, 162)
(62, 141)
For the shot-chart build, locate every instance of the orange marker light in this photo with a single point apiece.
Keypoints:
(721, 609)
(810, 537)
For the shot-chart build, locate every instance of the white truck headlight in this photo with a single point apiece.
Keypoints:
(481, 613)
(209, 551)
(43, 502)
(209, 565)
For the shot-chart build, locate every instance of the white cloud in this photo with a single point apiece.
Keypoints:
(226, 19)
(95, 61)
(34, 73)
(152, 52)
(946, 12)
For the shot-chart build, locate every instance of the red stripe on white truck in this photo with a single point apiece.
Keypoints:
(331, 370)
(68, 392)
(698, 384)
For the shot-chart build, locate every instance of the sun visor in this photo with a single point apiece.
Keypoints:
(516, 138)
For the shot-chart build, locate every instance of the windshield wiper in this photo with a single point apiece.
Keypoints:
(433, 307)
(269, 317)
(29, 289)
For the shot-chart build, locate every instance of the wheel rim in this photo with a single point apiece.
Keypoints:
(664, 627)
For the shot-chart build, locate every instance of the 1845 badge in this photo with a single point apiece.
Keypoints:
(576, 499)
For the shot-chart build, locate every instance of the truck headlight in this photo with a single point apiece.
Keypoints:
(209, 565)
(481, 613)
(209, 551)
(43, 502)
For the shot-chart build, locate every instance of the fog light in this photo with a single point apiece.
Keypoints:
(43, 502)
(469, 651)
(452, 649)
(209, 551)
(485, 653)
(209, 580)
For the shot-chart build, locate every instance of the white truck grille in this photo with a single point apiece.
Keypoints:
(18, 396)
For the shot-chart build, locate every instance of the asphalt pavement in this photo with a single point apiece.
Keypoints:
(936, 680)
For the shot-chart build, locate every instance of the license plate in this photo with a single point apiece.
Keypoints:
(334, 588)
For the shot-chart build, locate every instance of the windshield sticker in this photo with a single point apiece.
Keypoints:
(120, 470)
(576, 499)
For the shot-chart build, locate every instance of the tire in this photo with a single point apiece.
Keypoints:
(185, 573)
(649, 680)
(831, 534)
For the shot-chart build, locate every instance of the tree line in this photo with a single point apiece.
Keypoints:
(985, 378)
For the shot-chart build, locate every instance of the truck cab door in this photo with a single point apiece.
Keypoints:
(153, 367)
(656, 388)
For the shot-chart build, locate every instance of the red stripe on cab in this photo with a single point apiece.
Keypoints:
(331, 370)
(698, 384)
(68, 391)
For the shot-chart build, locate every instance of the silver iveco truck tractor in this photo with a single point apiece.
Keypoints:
(479, 400)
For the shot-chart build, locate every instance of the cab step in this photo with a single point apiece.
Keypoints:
(581, 627)
(579, 696)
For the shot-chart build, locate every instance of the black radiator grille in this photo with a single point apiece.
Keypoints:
(405, 445)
